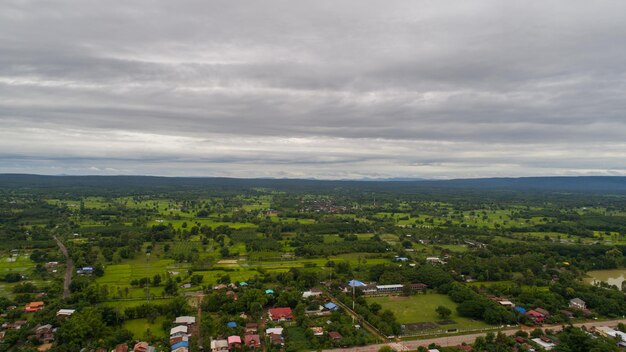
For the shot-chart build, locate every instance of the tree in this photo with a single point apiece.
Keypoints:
(443, 312)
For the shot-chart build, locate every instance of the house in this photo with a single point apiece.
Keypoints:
(331, 306)
(65, 312)
(566, 313)
(355, 283)
(311, 293)
(45, 333)
(187, 285)
(520, 310)
(435, 260)
(232, 295)
(317, 331)
(220, 287)
(143, 347)
(400, 259)
(251, 328)
(231, 324)
(252, 341)
(34, 307)
(535, 316)
(122, 347)
(179, 330)
(369, 290)
(86, 270)
(16, 325)
(577, 303)
(219, 345)
(542, 311)
(51, 266)
(606, 331)
(234, 341)
(334, 335)
(546, 345)
(276, 339)
(381, 289)
(185, 320)
(507, 304)
(275, 331)
(269, 291)
(176, 339)
(280, 314)
(182, 345)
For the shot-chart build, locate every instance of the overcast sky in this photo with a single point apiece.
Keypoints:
(324, 89)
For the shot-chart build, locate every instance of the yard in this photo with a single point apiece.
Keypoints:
(420, 308)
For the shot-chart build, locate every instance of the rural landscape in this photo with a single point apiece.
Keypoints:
(143, 264)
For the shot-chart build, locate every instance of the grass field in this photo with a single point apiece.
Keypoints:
(421, 308)
(20, 263)
(139, 327)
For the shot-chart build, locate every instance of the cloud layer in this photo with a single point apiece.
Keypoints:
(321, 89)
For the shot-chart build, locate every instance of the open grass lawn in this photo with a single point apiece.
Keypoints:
(178, 224)
(421, 308)
(15, 264)
(454, 247)
(139, 327)
(122, 304)
(119, 275)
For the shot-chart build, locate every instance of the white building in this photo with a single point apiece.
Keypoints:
(179, 330)
(185, 320)
(389, 288)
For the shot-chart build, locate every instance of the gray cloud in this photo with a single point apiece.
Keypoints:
(313, 89)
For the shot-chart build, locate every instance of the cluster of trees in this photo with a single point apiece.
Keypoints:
(473, 305)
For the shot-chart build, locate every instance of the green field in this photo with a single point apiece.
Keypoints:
(421, 308)
(139, 327)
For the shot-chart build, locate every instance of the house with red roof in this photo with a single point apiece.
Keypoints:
(280, 314)
(535, 316)
(34, 307)
(252, 341)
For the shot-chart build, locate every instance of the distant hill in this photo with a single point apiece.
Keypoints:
(595, 184)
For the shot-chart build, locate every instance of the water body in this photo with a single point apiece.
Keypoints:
(612, 277)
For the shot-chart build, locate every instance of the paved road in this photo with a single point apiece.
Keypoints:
(459, 339)
(69, 268)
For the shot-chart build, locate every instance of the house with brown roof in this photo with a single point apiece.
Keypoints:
(334, 335)
(45, 333)
(122, 347)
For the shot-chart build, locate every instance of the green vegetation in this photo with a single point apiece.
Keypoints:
(146, 252)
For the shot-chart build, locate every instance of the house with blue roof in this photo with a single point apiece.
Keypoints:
(181, 344)
(331, 306)
(355, 283)
(231, 324)
(520, 310)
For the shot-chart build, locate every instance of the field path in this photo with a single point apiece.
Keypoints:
(459, 339)
(357, 318)
(69, 267)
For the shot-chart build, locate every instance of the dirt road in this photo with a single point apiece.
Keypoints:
(69, 268)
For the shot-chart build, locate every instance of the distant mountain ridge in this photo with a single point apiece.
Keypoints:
(601, 184)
